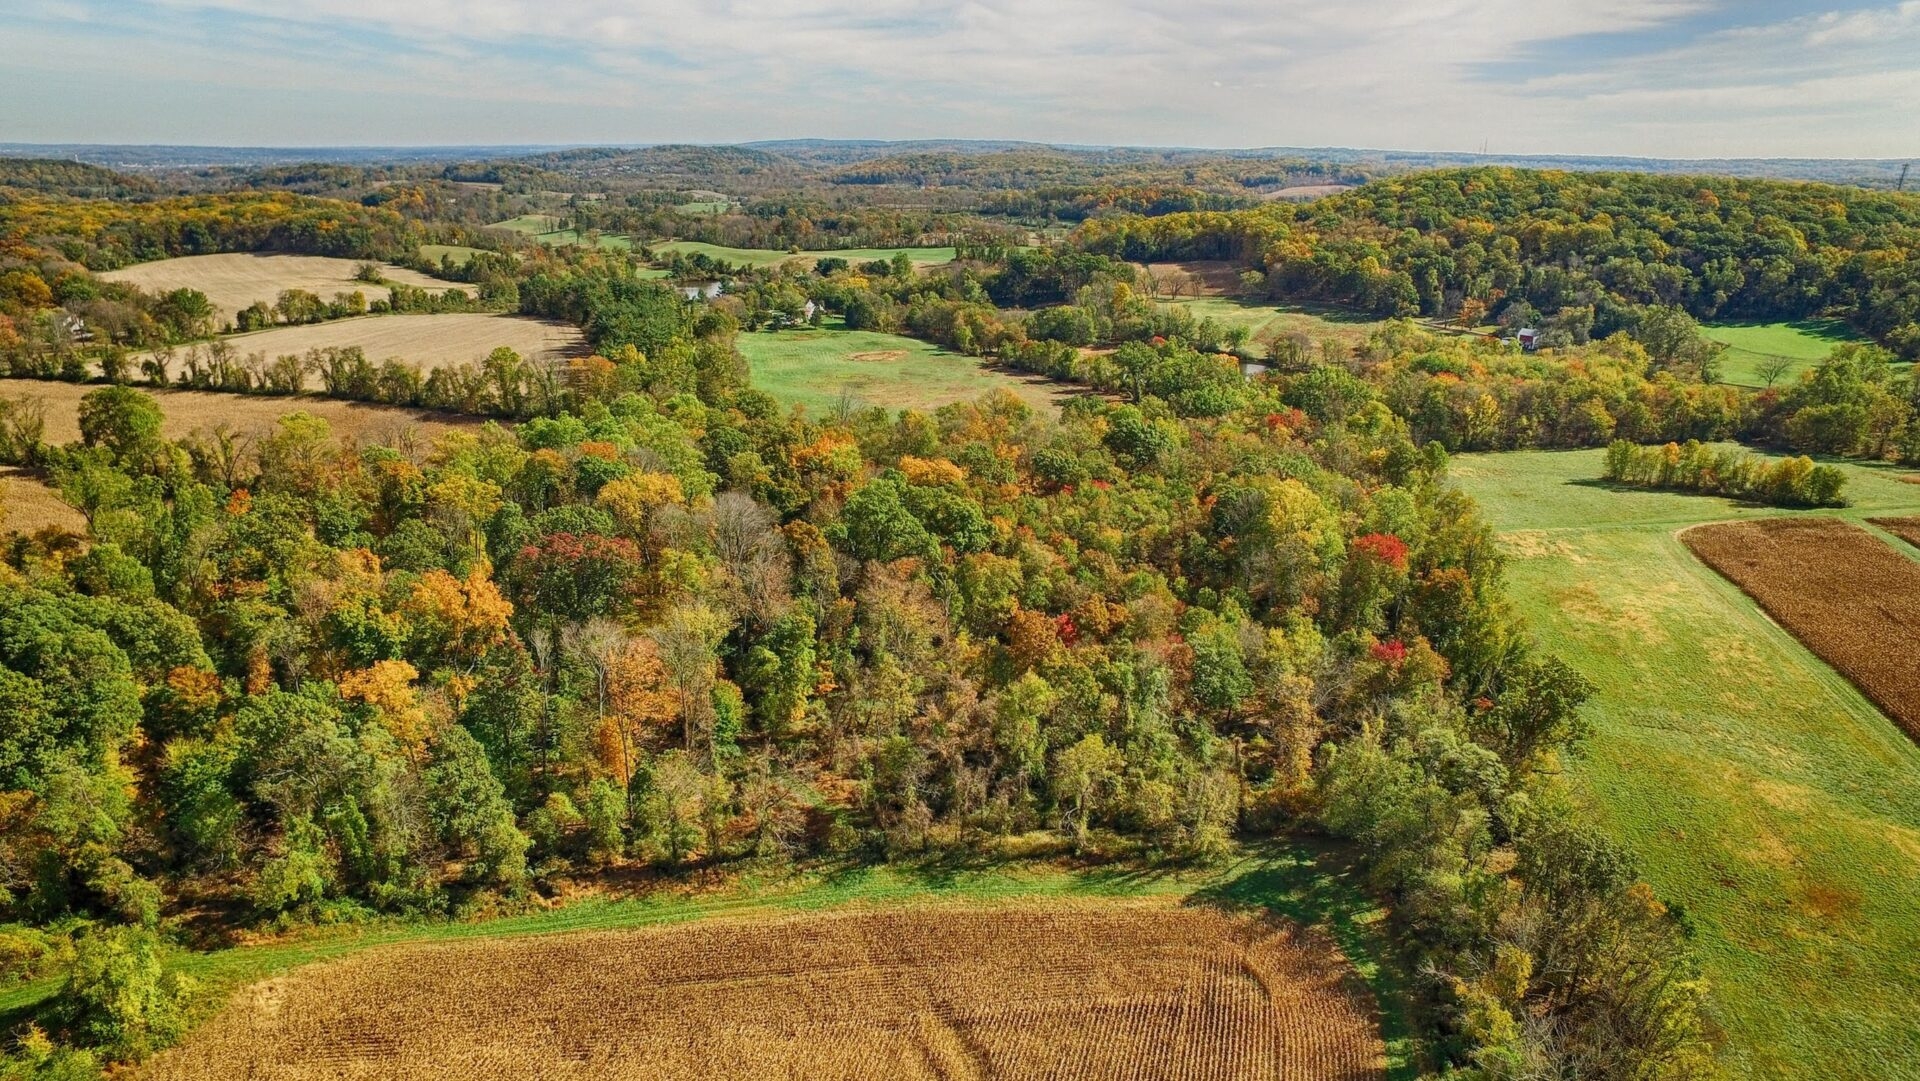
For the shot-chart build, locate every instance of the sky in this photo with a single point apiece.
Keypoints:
(1656, 78)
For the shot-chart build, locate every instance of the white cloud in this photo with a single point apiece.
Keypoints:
(1399, 73)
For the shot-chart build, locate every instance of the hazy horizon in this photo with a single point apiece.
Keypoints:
(1672, 79)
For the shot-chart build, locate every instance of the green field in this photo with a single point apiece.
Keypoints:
(708, 206)
(1307, 885)
(815, 368)
(544, 228)
(1763, 793)
(1266, 321)
(534, 224)
(765, 257)
(1752, 346)
(460, 253)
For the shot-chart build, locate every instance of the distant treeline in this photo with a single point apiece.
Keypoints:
(1574, 253)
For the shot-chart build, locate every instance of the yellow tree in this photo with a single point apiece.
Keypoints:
(387, 686)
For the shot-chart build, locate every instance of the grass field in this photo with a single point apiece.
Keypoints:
(1077, 991)
(1751, 346)
(460, 252)
(428, 340)
(1267, 321)
(534, 224)
(1764, 794)
(815, 368)
(1313, 889)
(765, 257)
(545, 228)
(236, 280)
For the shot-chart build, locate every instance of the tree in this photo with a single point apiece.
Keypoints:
(1772, 368)
(1083, 778)
(119, 995)
(124, 421)
(687, 641)
(674, 804)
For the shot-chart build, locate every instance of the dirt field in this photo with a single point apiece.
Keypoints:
(428, 340)
(1852, 599)
(28, 505)
(187, 410)
(1907, 529)
(235, 280)
(1122, 991)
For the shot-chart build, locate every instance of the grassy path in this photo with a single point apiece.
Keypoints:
(1765, 796)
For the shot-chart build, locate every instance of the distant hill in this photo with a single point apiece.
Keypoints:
(775, 161)
(47, 176)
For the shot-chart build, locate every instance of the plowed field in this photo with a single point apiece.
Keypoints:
(1852, 599)
(236, 279)
(1132, 991)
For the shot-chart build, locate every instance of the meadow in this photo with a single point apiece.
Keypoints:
(1313, 890)
(1798, 345)
(545, 228)
(237, 279)
(460, 253)
(1266, 321)
(819, 368)
(1765, 796)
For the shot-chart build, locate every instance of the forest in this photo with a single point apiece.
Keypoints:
(649, 620)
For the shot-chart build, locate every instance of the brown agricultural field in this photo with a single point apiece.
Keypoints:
(431, 341)
(1907, 529)
(1849, 596)
(235, 280)
(1122, 991)
(188, 410)
(27, 504)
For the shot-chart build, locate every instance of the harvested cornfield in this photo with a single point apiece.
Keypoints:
(1907, 529)
(237, 279)
(1128, 991)
(1845, 593)
(185, 411)
(431, 341)
(28, 505)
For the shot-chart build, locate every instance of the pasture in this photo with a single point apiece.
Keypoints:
(766, 257)
(430, 341)
(459, 253)
(821, 368)
(546, 229)
(238, 279)
(1116, 990)
(1761, 791)
(1267, 321)
(1795, 347)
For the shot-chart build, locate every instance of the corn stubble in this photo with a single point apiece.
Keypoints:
(1132, 991)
